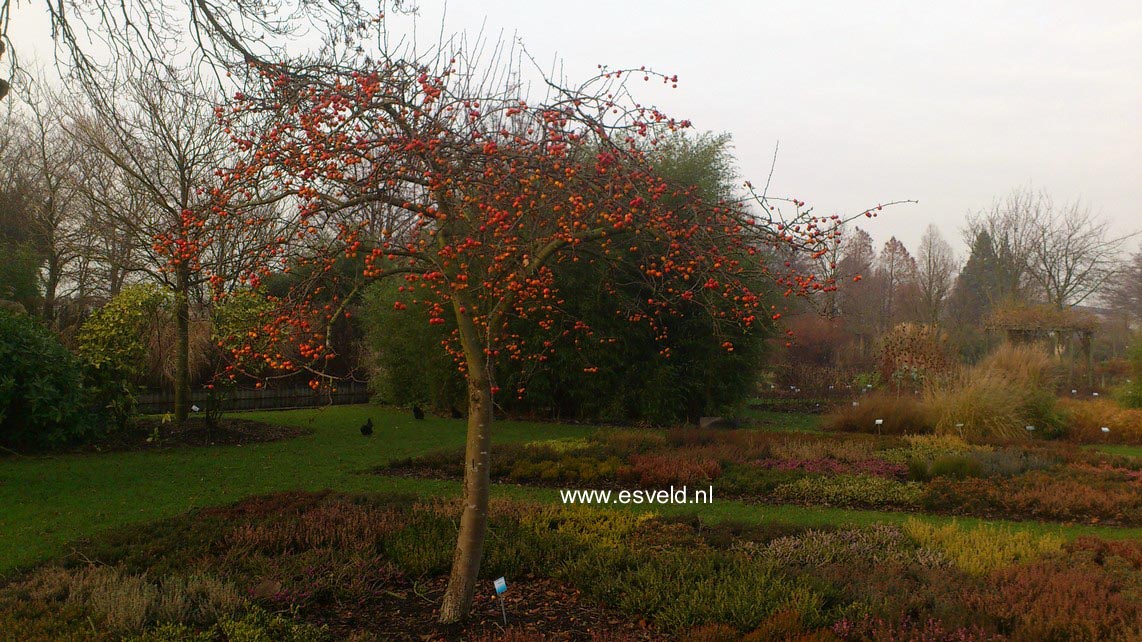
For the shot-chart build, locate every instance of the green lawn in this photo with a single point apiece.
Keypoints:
(46, 502)
(1129, 451)
(785, 421)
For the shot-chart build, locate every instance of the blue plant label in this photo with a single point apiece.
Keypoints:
(501, 586)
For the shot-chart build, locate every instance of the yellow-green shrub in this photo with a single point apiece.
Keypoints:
(625, 440)
(593, 526)
(982, 549)
(850, 490)
(929, 448)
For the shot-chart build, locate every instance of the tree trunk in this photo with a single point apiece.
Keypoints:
(51, 285)
(477, 458)
(182, 347)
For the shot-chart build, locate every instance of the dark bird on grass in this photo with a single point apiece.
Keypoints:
(367, 427)
(417, 413)
(456, 414)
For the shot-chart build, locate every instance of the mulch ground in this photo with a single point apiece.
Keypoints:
(141, 434)
(534, 606)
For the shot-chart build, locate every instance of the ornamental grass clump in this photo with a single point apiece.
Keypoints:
(1011, 389)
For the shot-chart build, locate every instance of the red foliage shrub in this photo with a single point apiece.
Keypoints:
(1066, 496)
(1099, 549)
(265, 505)
(514, 634)
(713, 633)
(788, 625)
(1062, 600)
(889, 591)
(336, 524)
(908, 630)
(656, 471)
(830, 466)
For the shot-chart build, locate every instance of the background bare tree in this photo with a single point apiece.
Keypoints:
(162, 147)
(1072, 256)
(1124, 292)
(1011, 227)
(895, 282)
(1061, 254)
(56, 219)
(102, 37)
(936, 268)
(855, 284)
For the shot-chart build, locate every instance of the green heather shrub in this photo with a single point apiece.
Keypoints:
(425, 545)
(949, 466)
(955, 467)
(688, 588)
(513, 549)
(982, 549)
(43, 402)
(850, 490)
(31, 621)
(598, 528)
(553, 461)
(713, 633)
(565, 445)
(450, 463)
(258, 625)
(1009, 462)
(877, 544)
(747, 480)
(172, 633)
(567, 468)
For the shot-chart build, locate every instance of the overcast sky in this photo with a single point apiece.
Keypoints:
(951, 104)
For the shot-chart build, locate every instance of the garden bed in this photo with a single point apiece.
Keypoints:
(1027, 480)
(151, 433)
(318, 567)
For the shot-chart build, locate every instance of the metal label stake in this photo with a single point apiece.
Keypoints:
(501, 588)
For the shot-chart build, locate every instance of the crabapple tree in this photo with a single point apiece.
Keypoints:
(469, 190)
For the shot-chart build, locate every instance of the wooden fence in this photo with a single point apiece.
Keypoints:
(157, 402)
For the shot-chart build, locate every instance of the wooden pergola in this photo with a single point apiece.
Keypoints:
(1056, 328)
